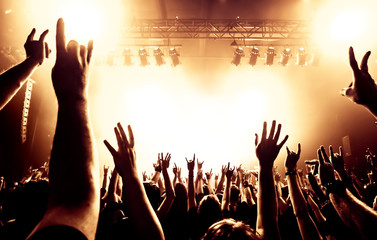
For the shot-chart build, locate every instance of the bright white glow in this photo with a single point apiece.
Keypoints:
(343, 23)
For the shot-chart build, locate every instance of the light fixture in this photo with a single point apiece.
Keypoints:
(158, 54)
(285, 57)
(270, 56)
(174, 57)
(254, 54)
(127, 57)
(238, 54)
(143, 57)
(301, 57)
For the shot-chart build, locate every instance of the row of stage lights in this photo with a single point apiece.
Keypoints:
(286, 54)
(143, 55)
(239, 53)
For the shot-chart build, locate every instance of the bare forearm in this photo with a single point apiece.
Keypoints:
(13, 79)
(220, 185)
(226, 197)
(73, 153)
(191, 190)
(142, 215)
(355, 214)
(267, 206)
(307, 227)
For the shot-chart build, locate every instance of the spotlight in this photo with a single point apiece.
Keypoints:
(270, 56)
(301, 57)
(238, 54)
(285, 57)
(143, 57)
(174, 57)
(127, 57)
(158, 54)
(254, 54)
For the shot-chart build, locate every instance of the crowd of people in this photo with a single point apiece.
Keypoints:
(328, 202)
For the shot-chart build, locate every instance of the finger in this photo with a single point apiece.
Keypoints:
(60, 37)
(277, 135)
(194, 158)
(31, 35)
(288, 152)
(283, 142)
(331, 152)
(131, 136)
(83, 55)
(340, 151)
(123, 134)
(47, 50)
(272, 130)
(299, 150)
(110, 148)
(158, 156)
(73, 50)
(319, 153)
(186, 160)
(364, 62)
(264, 132)
(256, 139)
(43, 35)
(324, 154)
(228, 166)
(90, 51)
(353, 61)
(119, 138)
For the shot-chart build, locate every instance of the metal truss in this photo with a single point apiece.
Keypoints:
(262, 32)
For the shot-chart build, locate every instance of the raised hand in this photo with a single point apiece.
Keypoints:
(69, 75)
(337, 160)
(326, 170)
(229, 171)
(268, 148)
(125, 156)
(200, 164)
(209, 175)
(191, 164)
(292, 158)
(37, 50)
(105, 170)
(165, 162)
(362, 89)
(175, 169)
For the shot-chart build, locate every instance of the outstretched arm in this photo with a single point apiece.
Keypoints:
(363, 89)
(164, 208)
(307, 227)
(226, 196)
(267, 150)
(13, 79)
(142, 215)
(73, 200)
(354, 213)
(191, 189)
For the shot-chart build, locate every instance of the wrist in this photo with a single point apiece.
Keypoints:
(291, 172)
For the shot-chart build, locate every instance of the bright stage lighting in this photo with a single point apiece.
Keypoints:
(285, 57)
(174, 57)
(270, 56)
(158, 54)
(301, 57)
(143, 57)
(83, 22)
(238, 54)
(254, 54)
(127, 57)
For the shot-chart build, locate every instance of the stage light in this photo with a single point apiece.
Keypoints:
(270, 56)
(285, 57)
(174, 57)
(158, 54)
(301, 57)
(127, 57)
(254, 54)
(238, 54)
(143, 57)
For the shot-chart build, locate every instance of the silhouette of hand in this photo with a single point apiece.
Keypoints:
(37, 50)
(69, 75)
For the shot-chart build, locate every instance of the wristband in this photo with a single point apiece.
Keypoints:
(336, 187)
(291, 173)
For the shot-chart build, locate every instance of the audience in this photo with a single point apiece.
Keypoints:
(327, 203)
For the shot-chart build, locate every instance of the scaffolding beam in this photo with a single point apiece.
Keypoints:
(293, 32)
